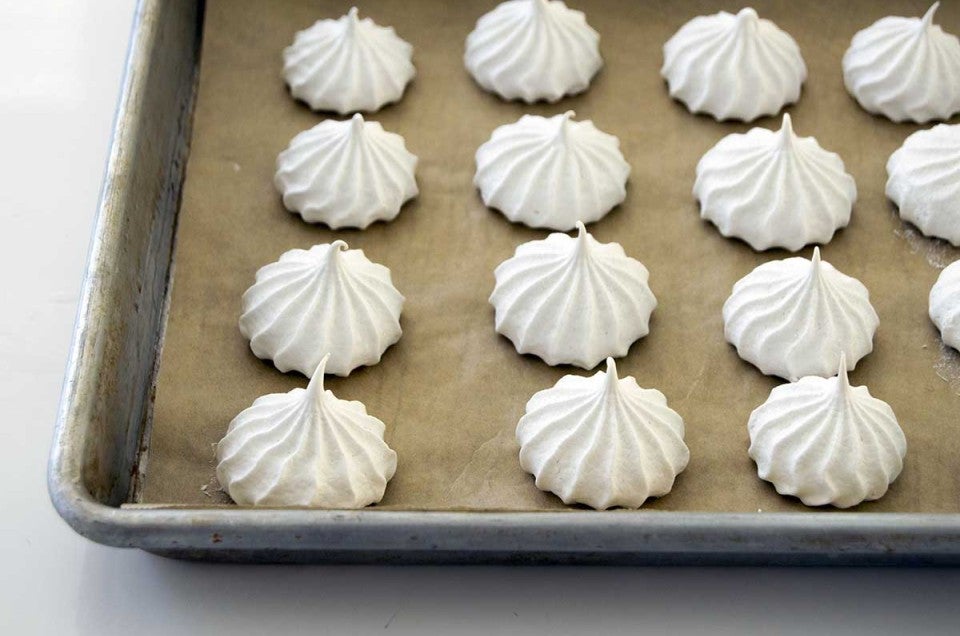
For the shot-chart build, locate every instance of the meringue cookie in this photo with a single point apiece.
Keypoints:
(602, 441)
(305, 448)
(572, 300)
(347, 65)
(533, 50)
(905, 69)
(945, 305)
(346, 174)
(733, 66)
(325, 300)
(774, 189)
(795, 317)
(827, 442)
(551, 172)
(924, 181)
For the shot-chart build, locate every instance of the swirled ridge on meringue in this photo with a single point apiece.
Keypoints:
(945, 304)
(774, 189)
(533, 50)
(348, 65)
(906, 69)
(795, 317)
(346, 174)
(305, 448)
(602, 441)
(572, 300)
(551, 172)
(733, 66)
(827, 442)
(325, 300)
(924, 181)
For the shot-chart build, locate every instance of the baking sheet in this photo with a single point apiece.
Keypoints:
(451, 391)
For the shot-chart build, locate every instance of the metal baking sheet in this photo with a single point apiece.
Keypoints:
(451, 390)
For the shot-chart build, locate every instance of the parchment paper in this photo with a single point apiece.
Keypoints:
(451, 391)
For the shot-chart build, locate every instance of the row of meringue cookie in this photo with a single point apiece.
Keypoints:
(744, 67)
(729, 66)
(775, 189)
(543, 172)
(816, 438)
(523, 49)
(606, 442)
(328, 309)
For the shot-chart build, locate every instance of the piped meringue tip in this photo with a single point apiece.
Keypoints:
(612, 379)
(842, 375)
(315, 388)
(927, 19)
(815, 259)
(747, 17)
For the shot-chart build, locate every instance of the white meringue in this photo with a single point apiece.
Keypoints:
(348, 65)
(733, 66)
(795, 317)
(572, 300)
(924, 181)
(945, 304)
(602, 441)
(827, 442)
(305, 448)
(774, 189)
(533, 50)
(905, 69)
(325, 300)
(551, 172)
(346, 173)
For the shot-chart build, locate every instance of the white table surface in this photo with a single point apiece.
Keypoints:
(60, 70)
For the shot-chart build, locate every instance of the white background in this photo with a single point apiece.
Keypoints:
(60, 71)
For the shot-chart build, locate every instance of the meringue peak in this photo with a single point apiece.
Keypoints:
(815, 262)
(563, 123)
(843, 377)
(786, 132)
(315, 391)
(611, 379)
(927, 20)
(747, 18)
(352, 19)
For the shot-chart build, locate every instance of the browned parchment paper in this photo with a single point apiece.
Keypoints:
(451, 391)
